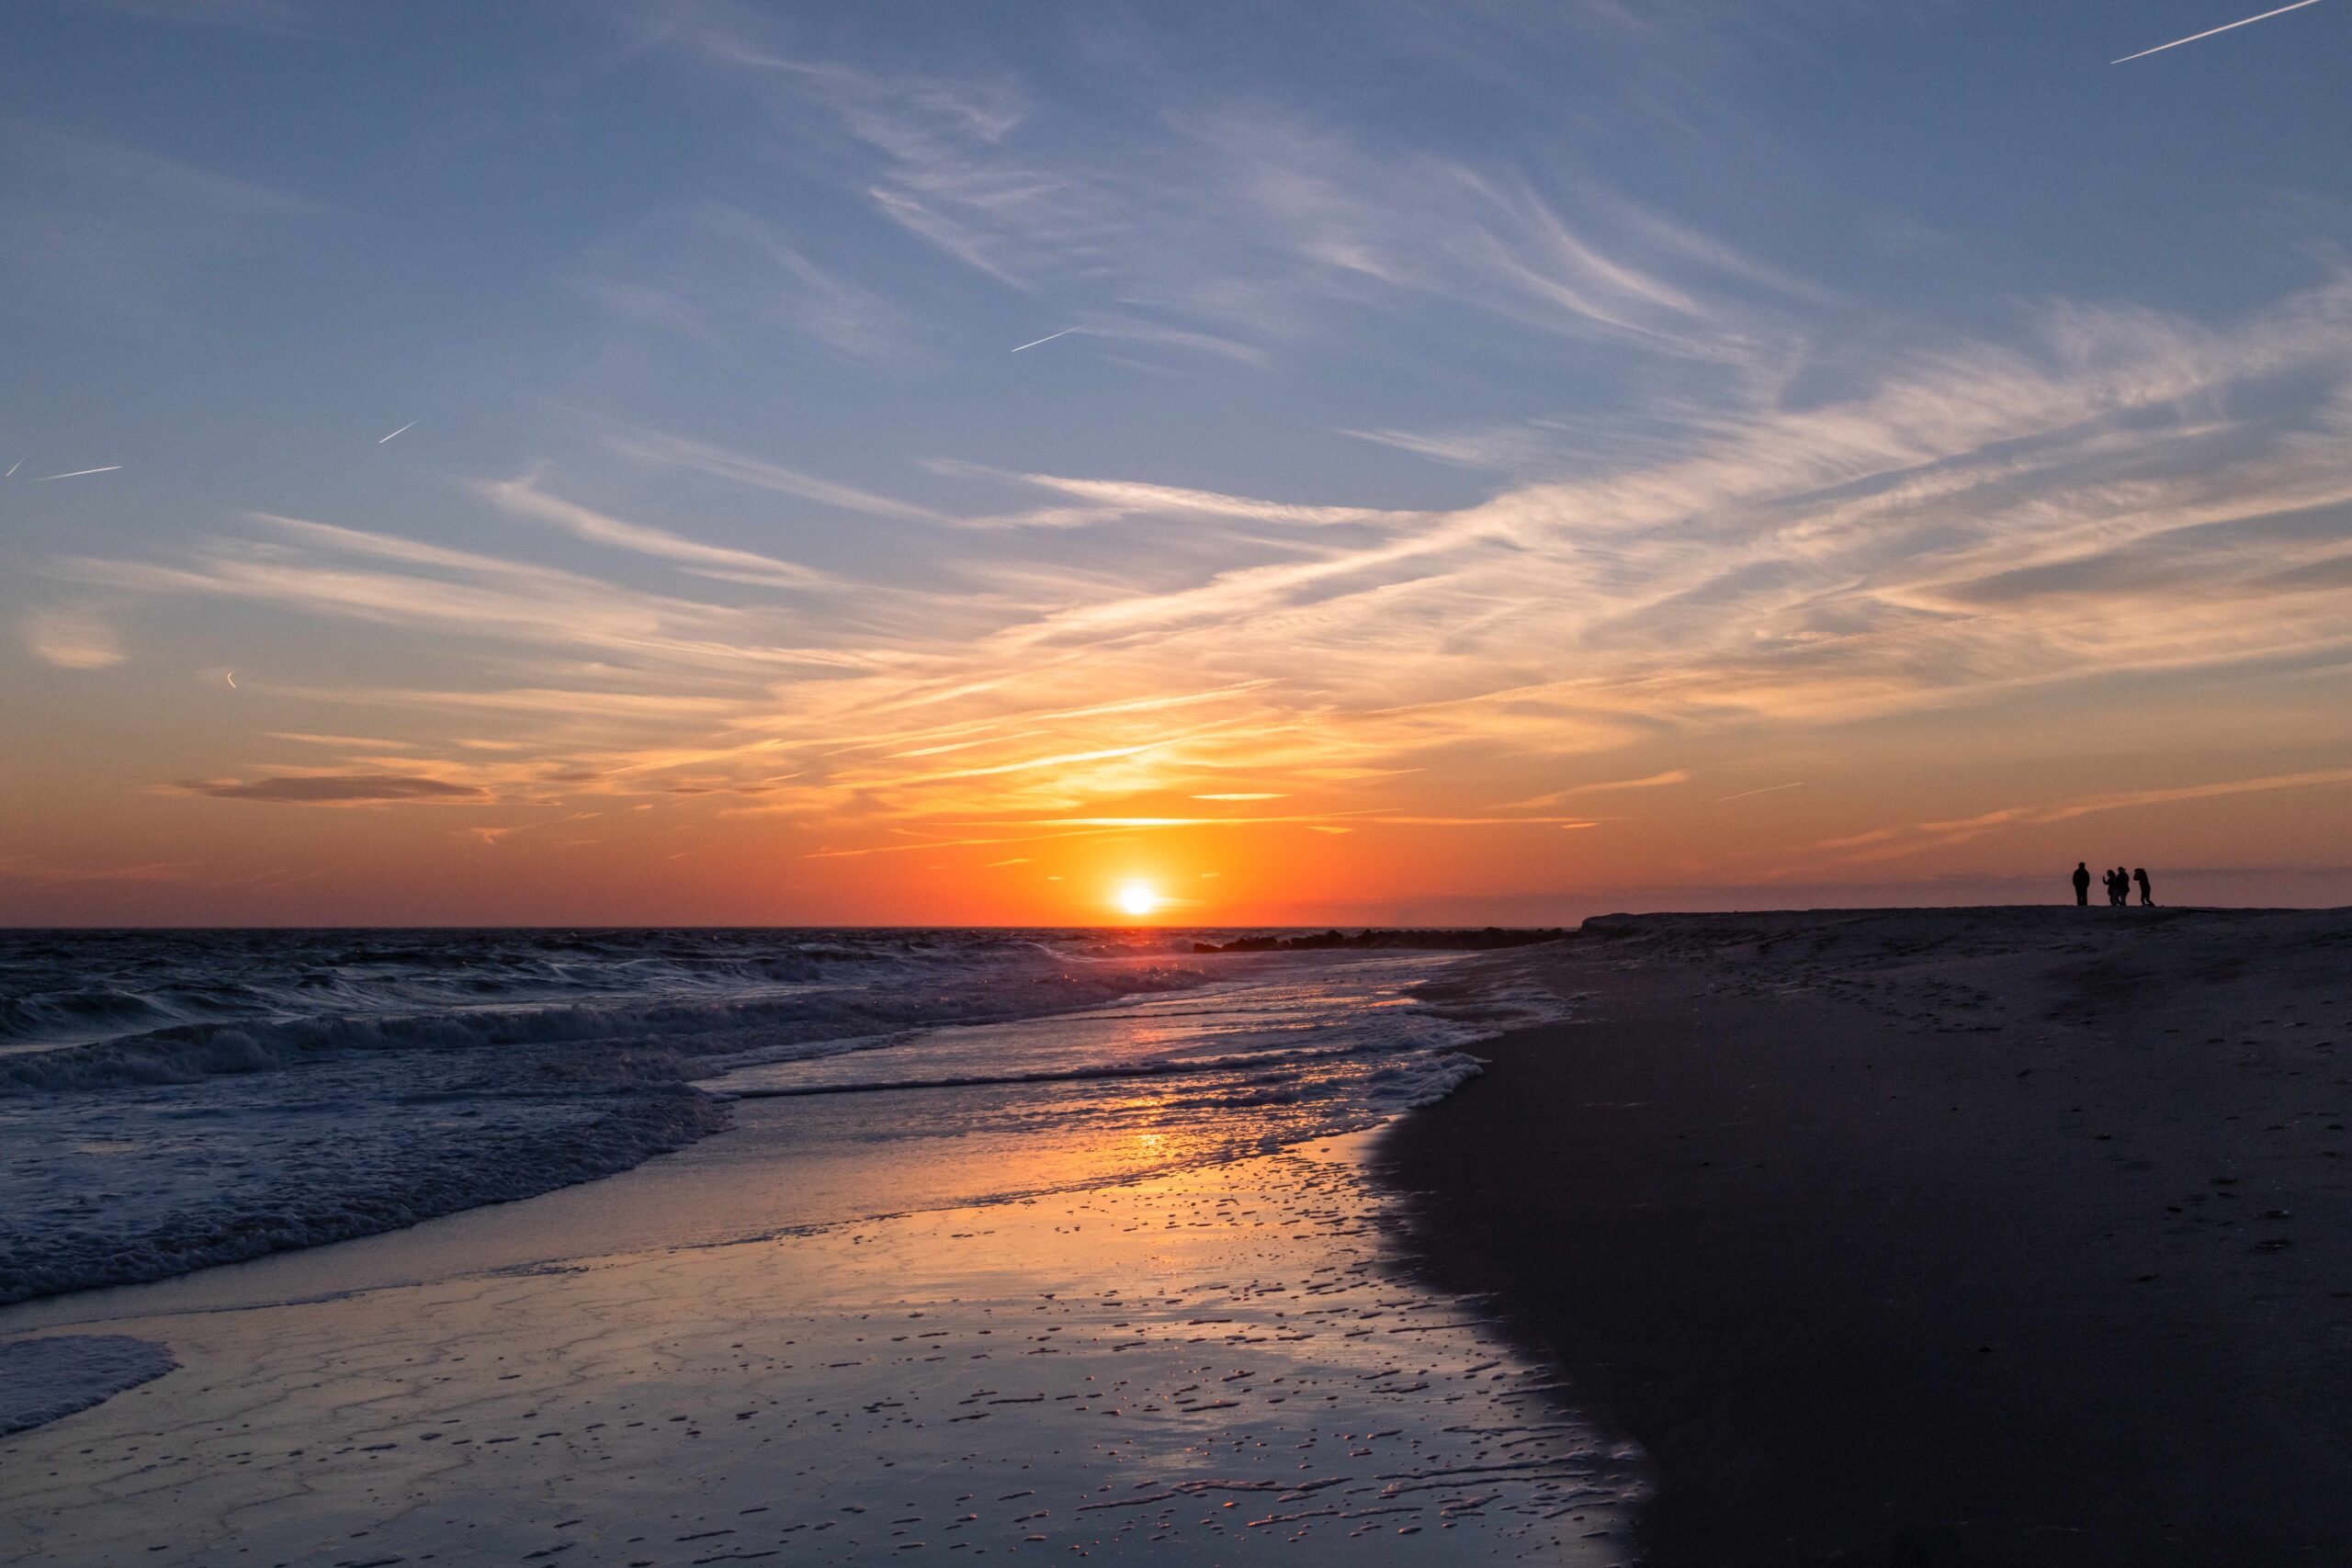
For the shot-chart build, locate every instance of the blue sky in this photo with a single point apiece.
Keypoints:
(1459, 407)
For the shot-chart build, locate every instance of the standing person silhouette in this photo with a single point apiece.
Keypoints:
(2147, 899)
(2122, 888)
(2083, 882)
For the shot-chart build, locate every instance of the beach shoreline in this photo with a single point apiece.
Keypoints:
(1070, 1302)
(1196, 1365)
(176, 1101)
(1933, 1238)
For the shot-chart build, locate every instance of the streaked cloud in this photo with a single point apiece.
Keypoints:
(335, 789)
(524, 498)
(71, 639)
(1647, 781)
(1126, 498)
(714, 271)
(1881, 844)
(671, 451)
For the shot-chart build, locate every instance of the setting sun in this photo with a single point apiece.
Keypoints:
(1138, 899)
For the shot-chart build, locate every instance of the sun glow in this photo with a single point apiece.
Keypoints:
(1138, 899)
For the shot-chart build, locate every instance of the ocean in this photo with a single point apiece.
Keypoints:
(175, 1100)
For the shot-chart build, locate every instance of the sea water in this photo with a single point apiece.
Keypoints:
(170, 1100)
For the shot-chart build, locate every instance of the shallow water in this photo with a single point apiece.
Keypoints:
(1197, 1368)
(176, 1100)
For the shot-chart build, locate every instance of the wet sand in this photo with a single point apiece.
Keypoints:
(1933, 1238)
(1203, 1366)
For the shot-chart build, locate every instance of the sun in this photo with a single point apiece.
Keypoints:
(1138, 899)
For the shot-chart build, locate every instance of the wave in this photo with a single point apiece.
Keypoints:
(1271, 1078)
(369, 1180)
(178, 1099)
(811, 1015)
(61, 989)
(1269, 1066)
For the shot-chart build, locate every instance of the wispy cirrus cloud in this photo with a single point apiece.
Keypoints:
(1554, 797)
(1919, 837)
(1110, 499)
(526, 497)
(1977, 521)
(1224, 227)
(715, 271)
(71, 639)
(334, 571)
(337, 789)
(658, 450)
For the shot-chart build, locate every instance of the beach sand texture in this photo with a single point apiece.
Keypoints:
(1206, 1367)
(1944, 1236)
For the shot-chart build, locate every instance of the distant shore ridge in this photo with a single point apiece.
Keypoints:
(1452, 940)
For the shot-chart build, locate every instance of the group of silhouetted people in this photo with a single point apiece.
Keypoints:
(2119, 885)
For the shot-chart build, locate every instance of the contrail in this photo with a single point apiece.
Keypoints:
(1067, 330)
(1768, 789)
(2209, 32)
(410, 425)
(230, 676)
(76, 474)
(12, 469)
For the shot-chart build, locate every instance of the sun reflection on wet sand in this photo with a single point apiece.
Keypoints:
(1204, 1363)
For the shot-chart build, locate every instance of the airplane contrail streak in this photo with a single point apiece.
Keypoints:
(2209, 32)
(1051, 336)
(410, 425)
(1768, 789)
(230, 676)
(12, 469)
(76, 474)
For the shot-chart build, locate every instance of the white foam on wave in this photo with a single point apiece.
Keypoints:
(161, 1150)
(321, 1086)
(1307, 1047)
(123, 1192)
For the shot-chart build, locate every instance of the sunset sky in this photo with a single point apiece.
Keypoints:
(1500, 461)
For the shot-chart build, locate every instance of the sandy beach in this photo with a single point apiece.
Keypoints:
(1936, 1237)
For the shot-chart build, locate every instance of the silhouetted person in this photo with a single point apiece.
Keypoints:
(2122, 888)
(2147, 899)
(2083, 882)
